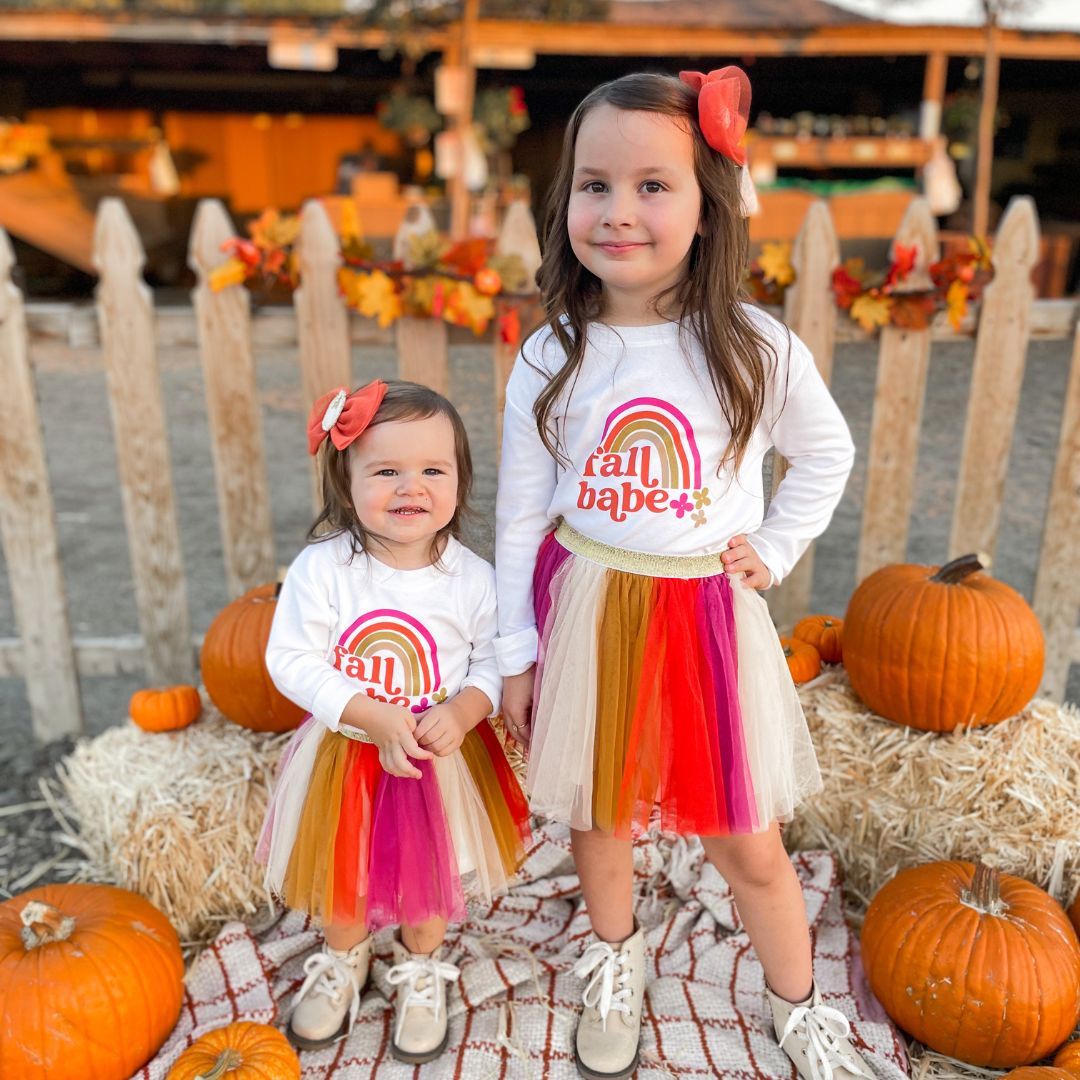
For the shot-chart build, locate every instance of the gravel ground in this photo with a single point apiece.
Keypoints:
(82, 465)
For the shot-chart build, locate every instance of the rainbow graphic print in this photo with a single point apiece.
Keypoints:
(647, 451)
(395, 655)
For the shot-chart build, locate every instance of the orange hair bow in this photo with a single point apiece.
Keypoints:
(343, 416)
(723, 108)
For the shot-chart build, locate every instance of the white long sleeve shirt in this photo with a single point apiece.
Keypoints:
(644, 435)
(409, 637)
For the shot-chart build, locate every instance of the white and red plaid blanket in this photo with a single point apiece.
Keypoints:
(513, 1012)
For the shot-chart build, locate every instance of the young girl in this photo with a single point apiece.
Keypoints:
(642, 668)
(395, 790)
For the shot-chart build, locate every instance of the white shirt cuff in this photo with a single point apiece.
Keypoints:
(515, 653)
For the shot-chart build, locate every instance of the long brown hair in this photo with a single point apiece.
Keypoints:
(402, 401)
(708, 299)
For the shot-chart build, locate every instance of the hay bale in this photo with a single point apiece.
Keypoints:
(175, 816)
(895, 796)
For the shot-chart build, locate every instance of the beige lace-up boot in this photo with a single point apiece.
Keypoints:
(325, 1006)
(817, 1038)
(420, 1024)
(606, 1043)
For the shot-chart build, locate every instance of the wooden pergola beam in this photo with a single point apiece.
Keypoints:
(565, 39)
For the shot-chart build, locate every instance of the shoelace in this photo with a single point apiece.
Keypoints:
(409, 973)
(825, 1029)
(330, 976)
(600, 960)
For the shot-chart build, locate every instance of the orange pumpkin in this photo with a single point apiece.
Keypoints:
(233, 664)
(1074, 914)
(1039, 1072)
(165, 710)
(240, 1051)
(825, 633)
(803, 661)
(1068, 1058)
(487, 281)
(978, 965)
(91, 982)
(939, 648)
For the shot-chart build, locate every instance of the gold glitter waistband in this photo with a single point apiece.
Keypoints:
(638, 562)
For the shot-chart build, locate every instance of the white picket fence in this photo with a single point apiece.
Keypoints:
(47, 655)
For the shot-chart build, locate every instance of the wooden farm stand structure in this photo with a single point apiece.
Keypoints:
(656, 29)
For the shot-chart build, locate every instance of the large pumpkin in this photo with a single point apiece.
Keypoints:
(939, 648)
(240, 1051)
(978, 965)
(233, 664)
(1074, 914)
(91, 982)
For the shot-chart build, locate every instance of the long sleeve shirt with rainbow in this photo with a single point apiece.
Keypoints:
(644, 435)
(353, 625)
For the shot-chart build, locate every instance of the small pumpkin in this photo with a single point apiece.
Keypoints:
(1068, 1057)
(240, 1051)
(487, 281)
(937, 648)
(975, 964)
(825, 633)
(165, 710)
(1039, 1072)
(233, 664)
(803, 660)
(91, 982)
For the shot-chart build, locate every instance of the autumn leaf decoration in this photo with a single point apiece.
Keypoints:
(459, 283)
(875, 300)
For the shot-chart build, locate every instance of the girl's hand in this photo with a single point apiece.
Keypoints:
(392, 729)
(442, 729)
(741, 558)
(517, 700)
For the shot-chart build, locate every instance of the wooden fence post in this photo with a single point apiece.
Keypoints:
(811, 313)
(903, 360)
(1057, 581)
(1000, 355)
(516, 237)
(423, 345)
(224, 327)
(126, 317)
(28, 529)
(322, 320)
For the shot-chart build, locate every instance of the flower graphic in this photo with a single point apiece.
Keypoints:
(680, 505)
(698, 518)
(439, 696)
(701, 498)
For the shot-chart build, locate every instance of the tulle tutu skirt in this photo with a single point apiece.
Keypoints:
(661, 683)
(348, 842)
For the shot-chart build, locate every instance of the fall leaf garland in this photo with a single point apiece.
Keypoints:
(875, 299)
(463, 283)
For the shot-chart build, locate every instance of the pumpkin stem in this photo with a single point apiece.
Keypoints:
(42, 924)
(985, 892)
(952, 573)
(228, 1060)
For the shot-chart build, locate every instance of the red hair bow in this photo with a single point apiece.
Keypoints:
(343, 416)
(723, 108)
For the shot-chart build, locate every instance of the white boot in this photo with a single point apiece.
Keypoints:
(420, 1027)
(606, 1043)
(817, 1038)
(325, 1007)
